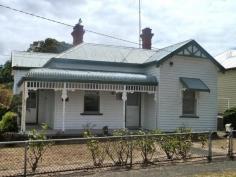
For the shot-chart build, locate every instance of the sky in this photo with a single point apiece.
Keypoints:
(210, 22)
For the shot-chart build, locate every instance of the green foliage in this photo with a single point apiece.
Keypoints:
(183, 142)
(96, 148)
(3, 110)
(146, 145)
(230, 117)
(168, 144)
(9, 122)
(120, 150)
(5, 73)
(15, 103)
(49, 45)
(37, 148)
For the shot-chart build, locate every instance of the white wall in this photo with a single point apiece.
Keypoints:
(17, 75)
(109, 107)
(170, 99)
(151, 108)
(150, 112)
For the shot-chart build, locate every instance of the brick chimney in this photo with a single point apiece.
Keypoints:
(78, 33)
(146, 37)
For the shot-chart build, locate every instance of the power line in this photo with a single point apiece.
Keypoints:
(68, 25)
(62, 23)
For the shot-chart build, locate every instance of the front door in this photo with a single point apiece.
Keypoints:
(133, 111)
(31, 108)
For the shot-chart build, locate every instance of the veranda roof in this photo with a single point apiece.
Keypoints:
(194, 84)
(61, 75)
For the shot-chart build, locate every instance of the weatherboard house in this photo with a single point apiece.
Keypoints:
(118, 87)
(227, 81)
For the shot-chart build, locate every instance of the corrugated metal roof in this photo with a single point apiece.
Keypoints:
(101, 52)
(227, 59)
(30, 59)
(194, 84)
(89, 76)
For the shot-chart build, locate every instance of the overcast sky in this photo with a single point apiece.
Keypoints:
(210, 22)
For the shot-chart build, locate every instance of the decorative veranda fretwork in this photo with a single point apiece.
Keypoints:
(34, 85)
(193, 51)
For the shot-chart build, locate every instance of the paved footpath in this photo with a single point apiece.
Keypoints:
(178, 170)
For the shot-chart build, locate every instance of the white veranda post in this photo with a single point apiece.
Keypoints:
(64, 97)
(124, 98)
(23, 109)
(156, 103)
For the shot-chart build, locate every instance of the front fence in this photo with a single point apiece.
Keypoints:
(56, 155)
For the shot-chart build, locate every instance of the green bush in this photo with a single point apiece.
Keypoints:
(120, 150)
(9, 122)
(3, 110)
(230, 117)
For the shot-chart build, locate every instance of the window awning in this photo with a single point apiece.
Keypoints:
(194, 84)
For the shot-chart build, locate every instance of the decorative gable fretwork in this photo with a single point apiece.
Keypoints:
(193, 51)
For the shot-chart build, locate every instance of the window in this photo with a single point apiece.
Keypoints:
(189, 103)
(91, 102)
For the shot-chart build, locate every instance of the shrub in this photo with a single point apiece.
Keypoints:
(3, 110)
(120, 150)
(9, 122)
(96, 149)
(168, 143)
(147, 146)
(184, 142)
(37, 149)
(230, 117)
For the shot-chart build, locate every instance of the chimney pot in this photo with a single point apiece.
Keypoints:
(78, 33)
(146, 37)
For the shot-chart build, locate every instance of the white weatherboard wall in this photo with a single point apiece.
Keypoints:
(150, 112)
(110, 107)
(17, 75)
(170, 98)
(151, 107)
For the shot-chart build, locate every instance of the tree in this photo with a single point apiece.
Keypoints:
(5, 73)
(49, 45)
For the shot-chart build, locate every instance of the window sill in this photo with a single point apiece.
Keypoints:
(189, 116)
(91, 113)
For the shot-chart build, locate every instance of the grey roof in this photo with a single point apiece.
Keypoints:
(30, 59)
(110, 53)
(227, 59)
(46, 74)
(88, 52)
(194, 84)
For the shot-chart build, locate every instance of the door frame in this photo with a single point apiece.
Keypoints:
(139, 114)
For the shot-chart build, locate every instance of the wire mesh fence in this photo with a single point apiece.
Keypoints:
(57, 155)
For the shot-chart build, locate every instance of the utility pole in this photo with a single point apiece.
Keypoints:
(139, 38)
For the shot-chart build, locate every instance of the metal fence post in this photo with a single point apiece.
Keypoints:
(210, 147)
(230, 146)
(25, 158)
